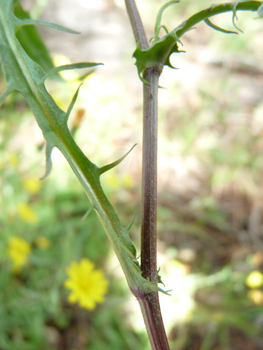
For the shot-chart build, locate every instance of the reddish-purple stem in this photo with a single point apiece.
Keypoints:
(149, 302)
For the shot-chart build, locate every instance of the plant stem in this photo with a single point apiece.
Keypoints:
(149, 302)
(152, 316)
(136, 23)
(149, 176)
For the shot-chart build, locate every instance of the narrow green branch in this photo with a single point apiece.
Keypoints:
(213, 11)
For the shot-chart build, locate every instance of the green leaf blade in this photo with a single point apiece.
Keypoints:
(114, 164)
(65, 67)
(219, 29)
(31, 41)
(158, 55)
(26, 76)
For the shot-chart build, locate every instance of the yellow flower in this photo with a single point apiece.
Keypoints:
(42, 242)
(254, 279)
(256, 296)
(32, 185)
(18, 250)
(88, 286)
(26, 213)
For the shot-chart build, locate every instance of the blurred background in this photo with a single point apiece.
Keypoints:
(210, 218)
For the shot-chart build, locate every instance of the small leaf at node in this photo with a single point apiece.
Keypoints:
(49, 148)
(28, 22)
(160, 277)
(87, 214)
(158, 25)
(234, 17)
(212, 25)
(72, 103)
(132, 222)
(68, 67)
(117, 162)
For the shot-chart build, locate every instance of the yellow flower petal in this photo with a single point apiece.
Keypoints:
(18, 250)
(32, 185)
(254, 279)
(72, 298)
(26, 213)
(88, 286)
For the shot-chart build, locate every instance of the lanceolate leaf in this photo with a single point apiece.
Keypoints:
(72, 103)
(212, 25)
(49, 148)
(71, 66)
(114, 164)
(158, 25)
(26, 76)
(29, 22)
